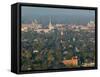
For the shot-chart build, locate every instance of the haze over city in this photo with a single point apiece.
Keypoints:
(58, 16)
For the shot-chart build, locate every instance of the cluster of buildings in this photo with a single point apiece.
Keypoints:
(90, 26)
(35, 26)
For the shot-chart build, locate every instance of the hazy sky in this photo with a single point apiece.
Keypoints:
(68, 16)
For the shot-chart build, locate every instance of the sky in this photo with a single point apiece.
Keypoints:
(56, 15)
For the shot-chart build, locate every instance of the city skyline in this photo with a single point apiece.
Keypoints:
(40, 27)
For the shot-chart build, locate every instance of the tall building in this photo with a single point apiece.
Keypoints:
(36, 25)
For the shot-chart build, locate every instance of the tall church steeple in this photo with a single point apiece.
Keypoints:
(50, 26)
(50, 23)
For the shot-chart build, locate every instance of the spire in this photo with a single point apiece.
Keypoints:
(50, 26)
(50, 22)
